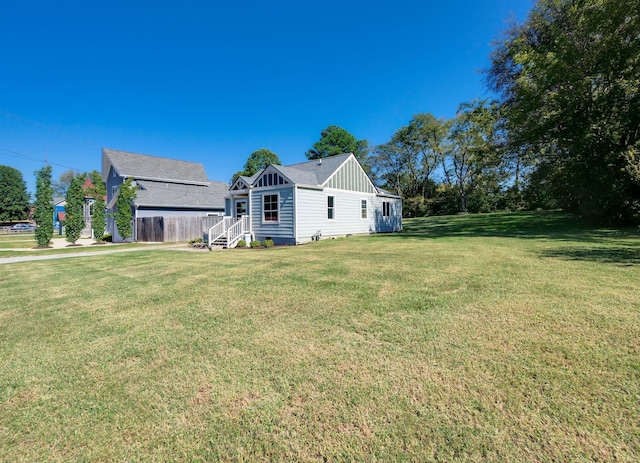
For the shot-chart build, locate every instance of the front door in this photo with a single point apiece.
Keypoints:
(241, 208)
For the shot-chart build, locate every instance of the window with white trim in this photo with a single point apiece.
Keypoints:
(114, 190)
(363, 208)
(331, 210)
(270, 208)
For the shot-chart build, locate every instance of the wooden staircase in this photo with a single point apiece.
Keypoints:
(227, 232)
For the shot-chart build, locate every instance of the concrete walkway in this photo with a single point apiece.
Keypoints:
(83, 251)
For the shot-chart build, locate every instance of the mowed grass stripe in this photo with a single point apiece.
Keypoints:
(463, 338)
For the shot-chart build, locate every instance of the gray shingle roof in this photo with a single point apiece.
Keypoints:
(141, 166)
(167, 194)
(320, 169)
(297, 176)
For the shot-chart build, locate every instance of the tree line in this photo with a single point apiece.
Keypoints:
(562, 132)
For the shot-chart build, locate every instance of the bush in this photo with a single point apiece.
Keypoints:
(242, 244)
(195, 241)
(267, 243)
(107, 238)
(255, 244)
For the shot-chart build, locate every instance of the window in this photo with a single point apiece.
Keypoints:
(114, 190)
(386, 209)
(363, 209)
(241, 208)
(330, 208)
(270, 208)
(271, 179)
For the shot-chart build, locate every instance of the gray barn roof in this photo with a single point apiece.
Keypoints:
(141, 166)
(166, 183)
(177, 195)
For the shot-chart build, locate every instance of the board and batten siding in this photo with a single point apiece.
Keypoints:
(351, 177)
(281, 232)
(312, 213)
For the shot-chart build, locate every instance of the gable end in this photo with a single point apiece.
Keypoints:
(351, 177)
(271, 177)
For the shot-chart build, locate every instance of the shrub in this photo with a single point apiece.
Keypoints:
(267, 243)
(255, 244)
(195, 241)
(107, 238)
(242, 244)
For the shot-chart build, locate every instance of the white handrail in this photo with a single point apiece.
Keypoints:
(235, 232)
(229, 228)
(219, 230)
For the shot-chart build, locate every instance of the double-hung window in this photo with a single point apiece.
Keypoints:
(363, 208)
(386, 209)
(270, 208)
(331, 211)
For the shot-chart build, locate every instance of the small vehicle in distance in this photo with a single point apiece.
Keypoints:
(22, 227)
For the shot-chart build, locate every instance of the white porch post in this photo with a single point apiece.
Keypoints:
(249, 211)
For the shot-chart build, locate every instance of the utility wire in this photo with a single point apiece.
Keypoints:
(15, 154)
(46, 127)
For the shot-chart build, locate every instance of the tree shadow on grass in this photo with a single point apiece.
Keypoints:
(549, 225)
(625, 256)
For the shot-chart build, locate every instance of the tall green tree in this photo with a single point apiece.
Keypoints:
(569, 82)
(474, 156)
(334, 141)
(74, 221)
(124, 214)
(97, 209)
(14, 199)
(408, 162)
(44, 207)
(257, 161)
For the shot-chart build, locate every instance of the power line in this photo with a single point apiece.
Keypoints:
(15, 154)
(50, 129)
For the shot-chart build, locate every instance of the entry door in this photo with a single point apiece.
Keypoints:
(241, 208)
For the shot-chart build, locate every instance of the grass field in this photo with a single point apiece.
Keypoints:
(23, 244)
(16, 240)
(501, 337)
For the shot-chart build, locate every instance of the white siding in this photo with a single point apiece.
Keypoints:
(393, 222)
(312, 213)
(281, 232)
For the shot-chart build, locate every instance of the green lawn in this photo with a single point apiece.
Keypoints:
(501, 337)
(16, 240)
(24, 244)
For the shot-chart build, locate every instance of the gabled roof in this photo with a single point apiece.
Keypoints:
(144, 167)
(325, 172)
(315, 172)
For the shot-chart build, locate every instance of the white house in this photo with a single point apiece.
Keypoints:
(317, 199)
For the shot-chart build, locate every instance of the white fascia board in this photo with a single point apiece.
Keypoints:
(168, 180)
(310, 187)
(274, 168)
(339, 167)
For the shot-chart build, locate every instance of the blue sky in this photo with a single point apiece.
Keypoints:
(213, 81)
